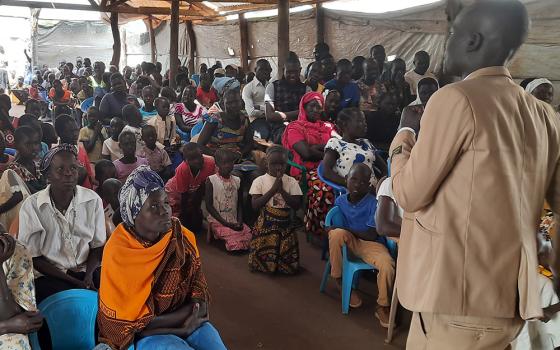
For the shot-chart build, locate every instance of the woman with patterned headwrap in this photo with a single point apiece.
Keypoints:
(153, 292)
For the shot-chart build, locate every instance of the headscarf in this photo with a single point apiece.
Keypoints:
(47, 159)
(138, 186)
(417, 101)
(536, 83)
(222, 84)
(314, 133)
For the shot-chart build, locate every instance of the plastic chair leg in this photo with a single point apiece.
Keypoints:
(34, 341)
(326, 274)
(392, 315)
(347, 279)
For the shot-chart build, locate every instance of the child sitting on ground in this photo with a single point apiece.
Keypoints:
(110, 189)
(185, 190)
(155, 153)
(149, 110)
(104, 169)
(129, 161)
(274, 246)
(111, 150)
(164, 123)
(358, 207)
(543, 334)
(223, 192)
(91, 136)
(133, 120)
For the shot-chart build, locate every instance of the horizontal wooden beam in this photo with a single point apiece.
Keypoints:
(266, 2)
(49, 5)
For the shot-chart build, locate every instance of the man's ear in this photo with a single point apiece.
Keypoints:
(474, 42)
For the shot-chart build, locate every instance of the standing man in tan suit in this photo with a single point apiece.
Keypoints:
(473, 185)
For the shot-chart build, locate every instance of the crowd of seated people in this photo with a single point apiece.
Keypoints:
(111, 197)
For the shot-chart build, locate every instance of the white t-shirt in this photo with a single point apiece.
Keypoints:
(264, 183)
(386, 190)
(111, 148)
(538, 335)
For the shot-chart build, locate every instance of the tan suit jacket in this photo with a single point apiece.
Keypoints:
(473, 186)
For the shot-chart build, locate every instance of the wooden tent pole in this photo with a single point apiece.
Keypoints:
(283, 34)
(116, 39)
(174, 44)
(320, 23)
(192, 47)
(153, 48)
(244, 36)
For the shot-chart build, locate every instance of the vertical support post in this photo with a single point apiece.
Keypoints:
(174, 44)
(320, 23)
(116, 39)
(192, 47)
(153, 48)
(34, 29)
(244, 36)
(283, 34)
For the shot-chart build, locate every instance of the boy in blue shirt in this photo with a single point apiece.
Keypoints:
(349, 90)
(360, 236)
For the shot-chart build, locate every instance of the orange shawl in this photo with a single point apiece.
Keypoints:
(139, 282)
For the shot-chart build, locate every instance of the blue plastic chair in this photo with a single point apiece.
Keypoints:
(10, 151)
(350, 265)
(338, 189)
(197, 129)
(88, 102)
(71, 316)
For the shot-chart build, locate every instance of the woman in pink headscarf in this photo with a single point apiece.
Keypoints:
(306, 137)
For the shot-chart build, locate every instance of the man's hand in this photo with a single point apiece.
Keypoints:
(7, 247)
(410, 119)
(25, 322)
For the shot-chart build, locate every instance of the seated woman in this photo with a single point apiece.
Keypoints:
(227, 127)
(19, 315)
(13, 187)
(307, 136)
(153, 291)
(59, 95)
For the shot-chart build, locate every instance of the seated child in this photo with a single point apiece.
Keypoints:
(164, 123)
(274, 246)
(543, 334)
(129, 161)
(110, 195)
(104, 169)
(185, 190)
(91, 136)
(5, 159)
(111, 150)
(223, 192)
(149, 110)
(133, 120)
(155, 153)
(358, 207)
(32, 121)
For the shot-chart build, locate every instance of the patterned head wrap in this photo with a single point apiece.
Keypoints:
(47, 159)
(138, 186)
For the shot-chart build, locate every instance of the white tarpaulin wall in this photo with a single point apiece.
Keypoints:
(348, 34)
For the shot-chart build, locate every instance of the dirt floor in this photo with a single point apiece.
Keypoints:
(256, 311)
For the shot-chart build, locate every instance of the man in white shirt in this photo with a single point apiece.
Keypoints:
(253, 92)
(421, 66)
(63, 227)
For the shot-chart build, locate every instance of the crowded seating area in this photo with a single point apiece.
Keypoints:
(108, 180)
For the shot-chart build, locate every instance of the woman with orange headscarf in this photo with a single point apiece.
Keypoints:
(153, 293)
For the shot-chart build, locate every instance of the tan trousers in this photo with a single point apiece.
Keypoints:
(372, 253)
(430, 331)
